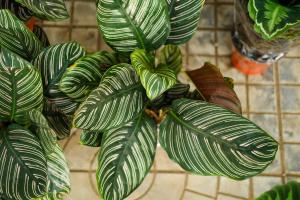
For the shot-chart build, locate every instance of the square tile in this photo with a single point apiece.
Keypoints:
(224, 43)
(163, 162)
(295, 51)
(240, 91)
(262, 98)
(291, 128)
(207, 18)
(292, 161)
(193, 196)
(202, 184)
(267, 77)
(238, 188)
(202, 43)
(196, 62)
(225, 12)
(268, 123)
(86, 37)
(57, 35)
(289, 70)
(224, 63)
(85, 13)
(290, 99)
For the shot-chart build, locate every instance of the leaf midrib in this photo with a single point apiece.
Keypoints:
(183, 122)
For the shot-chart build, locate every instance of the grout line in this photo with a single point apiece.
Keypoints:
(279, 118)
(200, 193)
(234, 196)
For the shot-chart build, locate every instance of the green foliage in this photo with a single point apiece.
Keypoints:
(274, 18)
(289, 191)
(20, 11)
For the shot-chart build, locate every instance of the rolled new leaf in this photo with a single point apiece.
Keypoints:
(16, 37)
(184, 15)
(171, 56)
(212, 85)
(126, 156)
(21, 88)
(156, 80)
(289, 191)
(23, 174)
(133, 24)
(273, 18)
(53, 62)
(47, 9)
(85, 74)
(209, 140)
(117, 100)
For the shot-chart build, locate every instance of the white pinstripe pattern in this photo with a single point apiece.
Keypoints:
(171, 56)
(208, 140)
(21, 12)
(127, 25)
(126, 156)
(117, 100)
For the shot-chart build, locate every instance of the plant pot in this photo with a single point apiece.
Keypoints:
(30, 23)
(251, 53)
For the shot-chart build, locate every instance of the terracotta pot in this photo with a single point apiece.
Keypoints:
(246, 65)
(30, 23)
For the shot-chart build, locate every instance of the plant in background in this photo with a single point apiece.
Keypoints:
(123, 101)
(289, 191)
(275, 19)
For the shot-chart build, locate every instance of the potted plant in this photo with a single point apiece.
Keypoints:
(123, 101)
(264, 32)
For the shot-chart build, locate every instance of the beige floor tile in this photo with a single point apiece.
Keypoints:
(203, 184)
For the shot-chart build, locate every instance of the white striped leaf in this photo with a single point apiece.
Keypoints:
(133, 24)
(52, 62)
(209, 140)
(16, 37)
(47, 9)
(126, 156)
(58, 121)
(184, 15)
(21, 87)
(23, 170)
(85, 74)
(117, 100)
(91, 138)
(20, 11)
(40, 126)
(273, 18)
(171, 56)
(156, 80)
(58, 183)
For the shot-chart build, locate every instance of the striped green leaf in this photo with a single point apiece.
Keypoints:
(40, 126)
(20, 89)
(16, 37)
(53, 62)
(58, 121)
(209, 140)
(214, 88)
(47, 9)
(41, 35)
(91, 138)
(58, 183)
(156, 80)
(289, 191)
(85, 74)
(20, 11)
(126, 156)
(171, 56)
(273, 18)
(133, 24)
(23, 170)
(117, 100)
(184, 15)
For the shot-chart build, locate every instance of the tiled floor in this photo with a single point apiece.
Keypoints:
(271, 100)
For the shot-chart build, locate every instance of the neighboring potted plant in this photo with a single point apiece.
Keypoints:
(264, 32)
(123, 101)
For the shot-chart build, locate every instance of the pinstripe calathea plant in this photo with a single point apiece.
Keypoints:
(125, 102)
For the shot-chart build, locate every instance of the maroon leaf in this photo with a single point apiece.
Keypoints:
(212, 85)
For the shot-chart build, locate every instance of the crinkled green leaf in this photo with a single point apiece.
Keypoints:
(156, 80)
